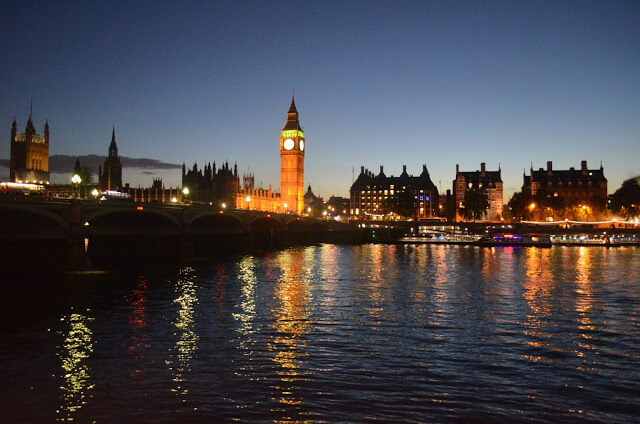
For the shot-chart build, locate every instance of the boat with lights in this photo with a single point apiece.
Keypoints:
(515, 240)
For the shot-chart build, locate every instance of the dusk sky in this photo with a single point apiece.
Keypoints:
(376, 83)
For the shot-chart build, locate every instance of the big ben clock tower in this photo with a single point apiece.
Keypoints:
(292, 162)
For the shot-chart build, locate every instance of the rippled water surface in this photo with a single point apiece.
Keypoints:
(332, 334)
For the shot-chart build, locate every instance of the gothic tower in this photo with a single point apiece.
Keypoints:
(29, 161)
(110, 176)
(292, 145)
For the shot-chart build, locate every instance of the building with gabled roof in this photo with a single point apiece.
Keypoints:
(370, 195)
(490, 181)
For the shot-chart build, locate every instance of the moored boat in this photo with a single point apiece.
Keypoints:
(514, 240)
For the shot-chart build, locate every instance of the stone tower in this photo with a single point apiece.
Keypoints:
(111, 175)
(292, 147)
(29, 162)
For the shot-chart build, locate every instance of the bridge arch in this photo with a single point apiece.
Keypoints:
(32, 238)
(223, 223)
(133, 217)
(32, 222)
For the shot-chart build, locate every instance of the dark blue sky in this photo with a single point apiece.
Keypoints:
(387, 83)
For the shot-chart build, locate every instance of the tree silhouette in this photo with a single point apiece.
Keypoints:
(402, 203)
(476, 203)
(626, 200)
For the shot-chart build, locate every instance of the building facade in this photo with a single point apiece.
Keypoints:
(292, 149)
(29, 161)
(110, 176)
(490, 181)
(573, 186)
(221, 187)
(373, 197)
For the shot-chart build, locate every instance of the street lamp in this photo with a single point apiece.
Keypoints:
(76, 180)
(248, 199)
(95, 192)
(185, 192)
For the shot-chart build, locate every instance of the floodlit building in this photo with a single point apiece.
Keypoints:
(373, 197)
(490, 181)
(29, 162)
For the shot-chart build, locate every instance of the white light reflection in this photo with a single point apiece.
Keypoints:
(73, 353)
(187, 340)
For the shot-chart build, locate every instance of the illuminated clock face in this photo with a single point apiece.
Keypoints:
(288, 144)
(302, 145)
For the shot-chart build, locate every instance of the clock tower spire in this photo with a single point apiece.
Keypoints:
(292, 147)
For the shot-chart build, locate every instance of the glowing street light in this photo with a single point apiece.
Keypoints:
(76, 180)
(248, 199)
(224, 205)
(95, 192)
(185, 191)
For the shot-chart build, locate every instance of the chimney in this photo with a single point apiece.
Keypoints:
(549, 168)
(457, 169)
(583, 166)
(483, 168)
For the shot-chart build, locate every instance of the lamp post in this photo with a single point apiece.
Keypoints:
(76, 180)
(185, 193)
(248, 199)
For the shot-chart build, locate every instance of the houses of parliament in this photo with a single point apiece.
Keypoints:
(215, 185)
(222, 185)
(29, 162)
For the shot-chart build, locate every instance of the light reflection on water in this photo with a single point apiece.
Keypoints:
(73, 353)
(186, 339)
(342, 334)
(290, 326)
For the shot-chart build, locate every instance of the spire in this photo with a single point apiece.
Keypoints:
(292, 108)
(113, 147)
(292, 116)
(30, 108)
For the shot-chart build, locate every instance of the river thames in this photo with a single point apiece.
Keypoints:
(330, 333)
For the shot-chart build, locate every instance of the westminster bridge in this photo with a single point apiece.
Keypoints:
(47, 233)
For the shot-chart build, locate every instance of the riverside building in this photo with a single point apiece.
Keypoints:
(374, 197)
